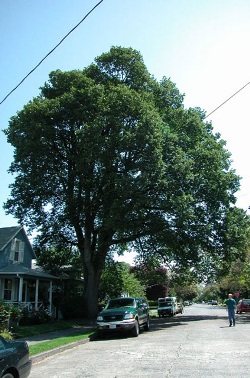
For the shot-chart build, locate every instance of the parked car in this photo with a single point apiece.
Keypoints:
(167, 306)
(214, 302)
(15, 360)
(243, 306)
(180, 308)
(209, 302)
(124, 314)
(186, 303)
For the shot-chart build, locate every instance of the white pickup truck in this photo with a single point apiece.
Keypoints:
(167, 306)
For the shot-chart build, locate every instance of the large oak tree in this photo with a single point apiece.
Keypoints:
(109, 156)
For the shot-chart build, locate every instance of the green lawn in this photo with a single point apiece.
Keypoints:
(32, 330)
(52, 344)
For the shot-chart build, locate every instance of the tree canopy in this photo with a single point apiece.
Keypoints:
(108, 158)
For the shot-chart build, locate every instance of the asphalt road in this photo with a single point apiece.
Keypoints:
(198, 343)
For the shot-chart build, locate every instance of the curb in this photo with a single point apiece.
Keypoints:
(43, 355)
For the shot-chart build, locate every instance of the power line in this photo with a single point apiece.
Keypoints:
(227, 99)
(46, 56)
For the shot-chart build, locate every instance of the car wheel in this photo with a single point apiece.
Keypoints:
(146, 325)
(7, 375)
(136, 330)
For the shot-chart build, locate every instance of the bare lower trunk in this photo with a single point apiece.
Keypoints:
(93, 263)
(91, 293)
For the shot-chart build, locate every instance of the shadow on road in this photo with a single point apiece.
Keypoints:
(167, 322)
(157, 324)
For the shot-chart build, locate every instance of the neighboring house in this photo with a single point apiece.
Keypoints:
(19, 283)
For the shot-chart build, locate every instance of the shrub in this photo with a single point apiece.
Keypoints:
(9, 314)
(33, 316)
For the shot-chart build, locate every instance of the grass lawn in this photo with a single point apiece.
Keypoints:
(32, 330)
(52, 344)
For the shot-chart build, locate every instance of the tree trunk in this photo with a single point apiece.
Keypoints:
(92, 273)
(91, 293)
(93, 262)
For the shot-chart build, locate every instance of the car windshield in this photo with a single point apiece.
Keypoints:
(121, 302)
(164, 304)
(246, 301)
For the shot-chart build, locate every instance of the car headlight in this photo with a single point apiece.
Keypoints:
(129, 316)
(99, 318)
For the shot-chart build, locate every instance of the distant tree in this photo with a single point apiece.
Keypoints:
(109, 158)
(111, 281)
(237, 278)
(150, 273)
(186, 292)
(117, 279)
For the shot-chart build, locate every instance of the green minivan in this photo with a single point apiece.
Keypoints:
(124, 314)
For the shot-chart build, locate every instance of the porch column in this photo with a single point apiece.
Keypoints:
(20, 290)
(36, 296)
(50, 296)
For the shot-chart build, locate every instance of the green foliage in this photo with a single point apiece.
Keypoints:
(55, 257)
(117, 279)
(4, 315)
(125, 164)
(131, 285)
(8, 313)
(111, 283)
(186, 292)
(237, 278)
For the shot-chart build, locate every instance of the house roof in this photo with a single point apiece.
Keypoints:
(7, 234)
(19, 269)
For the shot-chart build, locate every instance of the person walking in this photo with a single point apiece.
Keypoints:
(231, 306)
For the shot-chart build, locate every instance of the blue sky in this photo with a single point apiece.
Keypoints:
(201, 45)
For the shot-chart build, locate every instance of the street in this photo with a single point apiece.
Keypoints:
(197, 343)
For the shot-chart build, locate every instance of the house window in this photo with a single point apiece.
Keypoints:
(7, 289)
(17, 250)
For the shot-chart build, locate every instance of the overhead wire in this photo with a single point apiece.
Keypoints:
(224, 102)
(227, 100)
(46, 56)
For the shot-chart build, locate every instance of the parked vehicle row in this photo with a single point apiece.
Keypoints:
(129, 314)
(212, 302)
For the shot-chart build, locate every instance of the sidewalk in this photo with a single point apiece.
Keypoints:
(32, 340)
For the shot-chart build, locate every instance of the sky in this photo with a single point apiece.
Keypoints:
(201, 45)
